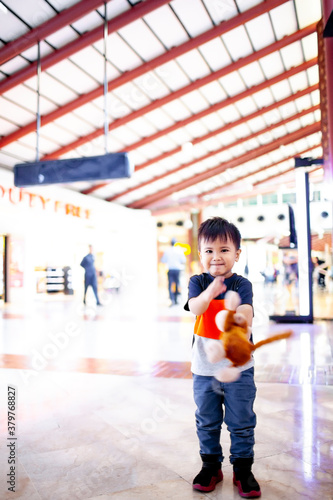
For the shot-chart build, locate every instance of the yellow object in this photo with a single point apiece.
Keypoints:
(184, 245)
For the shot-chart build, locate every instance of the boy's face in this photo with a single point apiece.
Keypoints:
(218, 257)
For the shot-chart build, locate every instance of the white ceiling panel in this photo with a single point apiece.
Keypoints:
(51, 130)
(177, 110)
(272, 65)
(170, 31)
(287, 110)
(20, 152)
(213, 93)
(75, 124)
(151, 85)
(246, 106)
(27, 98)
(172, 75)
(11, 26)
(237, 43)
(119, 53)
(284, 19)
(221, 11)
(194, 101)
(41, 12)
(215, 54)
(132, 96)
(263, 98)
(192, 15)
(62, 37)
(52, 89)
(281, 90)
(252, 74)
(233, 84)
(229, 114)
(160, 119)
(142, 127)
(14, 113)
(181, 136)
(260, 31)
(13, 65)
(292, 55)
(45, 144)
(31, 54)
(72, 76)
(140, 36)
(197, 129)
(89, 22)
(6, 127)
(92, 63)
(308, 12)
(256, 124)
(194, 65)
(310, 46)
(212, 121)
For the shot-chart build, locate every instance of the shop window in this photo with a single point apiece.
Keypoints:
(249, 201)
(269, 198)
(316, 196)
(289, 198)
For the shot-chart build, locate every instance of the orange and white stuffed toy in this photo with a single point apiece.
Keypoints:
(234, 343)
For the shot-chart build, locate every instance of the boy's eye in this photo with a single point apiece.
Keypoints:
(208, 251)
(225, 250)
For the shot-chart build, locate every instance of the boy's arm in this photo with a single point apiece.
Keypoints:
(198, 305)
(247, 311)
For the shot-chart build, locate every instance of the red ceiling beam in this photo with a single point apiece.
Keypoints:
(175, 95)
(275, 176)
(250, 155)
(167, 56)
(187, 205)
(242, 177)
(59, 21)
(197, 140)
(222, 149)
(137, 12)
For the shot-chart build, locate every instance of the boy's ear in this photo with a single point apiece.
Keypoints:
(239, 251)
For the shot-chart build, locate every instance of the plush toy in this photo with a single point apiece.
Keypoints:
(234, 343)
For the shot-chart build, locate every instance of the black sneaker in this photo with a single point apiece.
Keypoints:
(246, 483)
(208, 477)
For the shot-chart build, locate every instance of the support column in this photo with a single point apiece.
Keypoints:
(327, 6)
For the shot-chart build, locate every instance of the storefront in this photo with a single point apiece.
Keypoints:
(45, 232)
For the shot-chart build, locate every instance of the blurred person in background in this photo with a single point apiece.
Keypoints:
(175, 259)
(90, 275)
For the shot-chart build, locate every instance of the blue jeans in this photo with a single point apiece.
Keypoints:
(238, 399)
(173, 278)
(90, 281)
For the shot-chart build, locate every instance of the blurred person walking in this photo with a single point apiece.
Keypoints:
(90, 276)
(175, 259)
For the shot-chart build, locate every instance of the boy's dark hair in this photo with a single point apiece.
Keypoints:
(217, 227)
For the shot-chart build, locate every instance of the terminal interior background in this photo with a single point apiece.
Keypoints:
(104, 394)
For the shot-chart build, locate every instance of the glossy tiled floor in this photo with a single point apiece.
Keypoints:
(105, 409)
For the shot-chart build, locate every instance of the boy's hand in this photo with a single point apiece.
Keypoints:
(216, 287)
(198, 305)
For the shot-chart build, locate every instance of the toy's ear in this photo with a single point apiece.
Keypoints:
(220, 319)
(232, 300)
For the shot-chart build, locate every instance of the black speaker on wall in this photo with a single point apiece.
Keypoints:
(91, 168)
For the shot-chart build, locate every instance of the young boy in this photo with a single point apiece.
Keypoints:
(219, 249)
